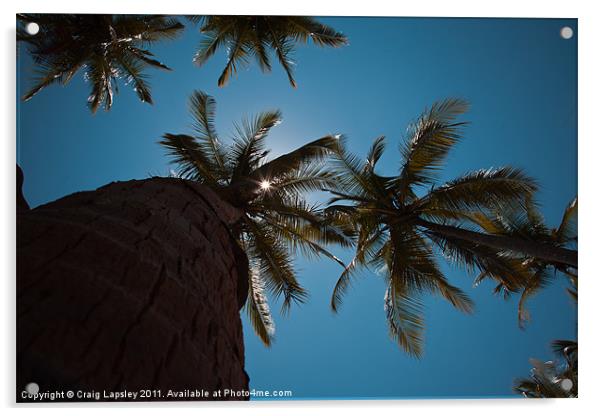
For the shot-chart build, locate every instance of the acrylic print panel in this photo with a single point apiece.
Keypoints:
(289, 208)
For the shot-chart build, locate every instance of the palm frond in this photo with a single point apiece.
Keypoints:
(431, 138)
(404, 317)
(258, 309)
(489, 262)
(293, 161)
(567, 230)
(202, 108)
(45, 78)
(489, 188)
(100, 75)
(303, 28)
(305, 238)
(210, 43)
(309, 177)
(354, 179)
(284, 48)
(237, 56)
(109, 47)
(135, 75)
(144, 56)
(275, 264)
(254, 36)
(248, 148)
(538, 281)
(564, 347)
(375, 153)
(189, 155)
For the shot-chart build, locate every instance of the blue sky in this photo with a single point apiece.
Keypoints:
(520, 78)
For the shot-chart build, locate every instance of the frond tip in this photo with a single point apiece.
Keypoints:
(404, 316)
(258, 308)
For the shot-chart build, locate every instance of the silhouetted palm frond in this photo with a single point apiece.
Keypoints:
(552, 379)
(107, 48)
(245, 37)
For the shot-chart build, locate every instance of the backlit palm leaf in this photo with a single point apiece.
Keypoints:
(275, 264)
(431, 138)
(258, 308)
(248, 150)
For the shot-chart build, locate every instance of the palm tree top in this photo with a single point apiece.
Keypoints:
(107, 48)
(394, 219)
(246, 37)
(277, 219)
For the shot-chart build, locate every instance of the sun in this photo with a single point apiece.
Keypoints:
(265, 185)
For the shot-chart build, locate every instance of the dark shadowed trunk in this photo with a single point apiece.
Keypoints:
(545, 252)
(22, 204)
(136, 285)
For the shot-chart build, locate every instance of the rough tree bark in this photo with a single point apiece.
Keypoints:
(136, 285)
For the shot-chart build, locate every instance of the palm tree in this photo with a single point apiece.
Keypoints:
(106, 47)
(552, 379)
(253, 36)
(277, 220)
(139, 284)
(400, 220)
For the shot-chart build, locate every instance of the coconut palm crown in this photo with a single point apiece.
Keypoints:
(402, 221)
(107, 48)
(245, 37)
(277, 220)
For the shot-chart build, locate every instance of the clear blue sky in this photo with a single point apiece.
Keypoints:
(520, 77)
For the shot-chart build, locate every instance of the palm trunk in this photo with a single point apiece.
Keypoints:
(22, 204)
(136, 285)
(556, 255)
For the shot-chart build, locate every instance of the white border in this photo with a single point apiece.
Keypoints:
(590, 135)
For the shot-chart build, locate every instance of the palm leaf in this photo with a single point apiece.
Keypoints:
(539, 280)
(275, 265)
(258, 309)
(293, 161)
(202, 108)
(567, 229)
(284, 48)
(491, 188)
(404, 318)
(237, 55)
(431, 138)
(189, 155)
(248, 148)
